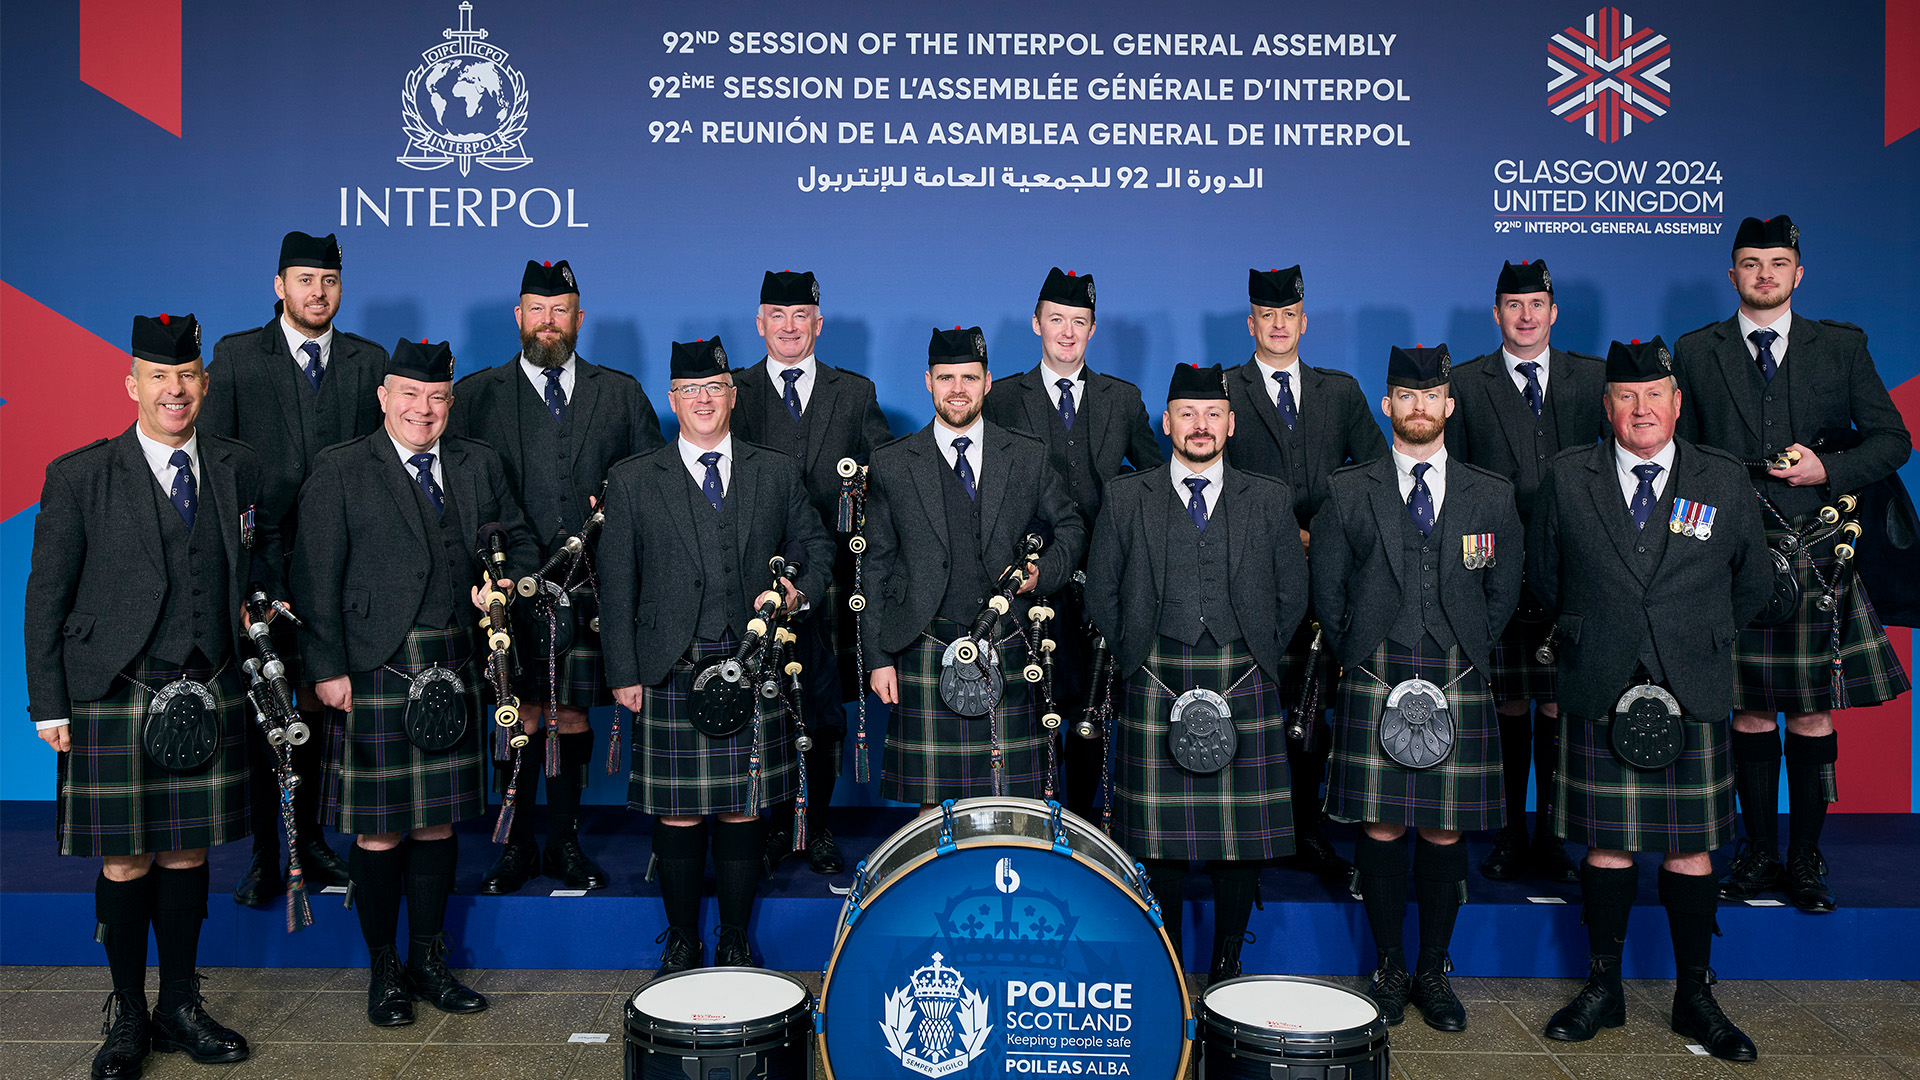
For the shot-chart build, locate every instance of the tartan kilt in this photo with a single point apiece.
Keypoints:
(1789, 668)
(1162, 811)
(933, 753)
(580, 676)
(1516, 677)
(1467, 791)
(113, 801)
(676, 771)
(378, 781)
(1602, 802)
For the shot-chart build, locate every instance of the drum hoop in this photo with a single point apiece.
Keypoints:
(1206, 1020)
(985, 802)
(685, 1032)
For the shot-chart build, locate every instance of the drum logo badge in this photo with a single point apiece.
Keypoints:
(951, 1028)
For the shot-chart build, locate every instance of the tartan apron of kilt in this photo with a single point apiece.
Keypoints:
(580, 676)
(113, 801)
(1162, 811)
(933, 753)
(1602, 802)
(676, 771)
(1515, 675)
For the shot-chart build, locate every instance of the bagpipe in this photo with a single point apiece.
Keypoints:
(728, 689)
(1839, 518)
(271, 695)
(508, 738)
(1300, 723)
(971, 680)
(850, 519)
(546, 611)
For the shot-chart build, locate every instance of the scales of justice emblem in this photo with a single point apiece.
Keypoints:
(464, 103)
(946, 1008)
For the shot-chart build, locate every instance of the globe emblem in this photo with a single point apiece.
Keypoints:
(464, 103)
(477, 89)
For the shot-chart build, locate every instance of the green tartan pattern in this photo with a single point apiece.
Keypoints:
(1466, 791)
(113, 801)
(677, 771)
(580, 677)
(1515, 675)
(1162, 811)
(933, 753)
(1789, 668)
(1602, 802)
(378, 781)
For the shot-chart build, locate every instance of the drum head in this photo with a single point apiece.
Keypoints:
(719, 997)
(1286, 1003)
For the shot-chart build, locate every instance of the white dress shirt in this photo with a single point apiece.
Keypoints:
(803, 386)
(1520, 377)
(537, 375)
(690, 456)
(1436, 477)
(1273, 385)
(1781, 324)
(439, 474)
(1214, 475)
(1624, 460)
(1052, 380)
(944, 436)
(160, 457)
(295, 339)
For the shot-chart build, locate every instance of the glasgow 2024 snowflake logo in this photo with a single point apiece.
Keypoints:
(1608, 75)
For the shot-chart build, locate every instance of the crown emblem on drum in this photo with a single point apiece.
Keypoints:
(936, 983)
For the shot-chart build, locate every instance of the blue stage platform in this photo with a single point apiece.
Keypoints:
(46, 903)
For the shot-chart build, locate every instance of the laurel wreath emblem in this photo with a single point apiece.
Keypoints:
(508, 134)
(900, 1015)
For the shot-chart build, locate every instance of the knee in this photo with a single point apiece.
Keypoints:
(182, 860)
(378, 841)
(1440, 837)
(434, 832)
(1753, 723)
(1811, 725)
(125, 867)
(1511, 708)
(737, 819)
(1696, 864)
(1550, 710)
(573, 719)
(1378, 831)
(1609, 860)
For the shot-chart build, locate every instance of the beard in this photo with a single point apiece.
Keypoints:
(1202, 458)
(299, 317)
(959, 421)
(1764, 302)
(547, 356)
(1404, 430)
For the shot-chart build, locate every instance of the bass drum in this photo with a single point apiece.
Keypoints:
(1002, 937)
(1276, 1027)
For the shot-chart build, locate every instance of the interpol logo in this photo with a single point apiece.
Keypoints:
(1608, 75)
(951, 1028)
(464, 103)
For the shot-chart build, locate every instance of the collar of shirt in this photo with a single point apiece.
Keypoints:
(1215, 475)
(160, 456)
(439, 474)
(1436, 476)
(1050, 380)
(690, 456)
(1519, 377)
(1293, 371)
(944, 436)
(537, 375)
(295, 339)
(802, 385)
(1783, 324)
(1624, 460)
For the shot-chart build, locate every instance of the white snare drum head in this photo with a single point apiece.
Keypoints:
(719, 996)
(1280, 1005)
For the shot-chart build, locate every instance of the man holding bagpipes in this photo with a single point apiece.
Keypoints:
(689, 618)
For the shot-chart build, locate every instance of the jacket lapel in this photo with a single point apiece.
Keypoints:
(399, 483)
(280, 376)
(1240, 539)
(1033, 397)
(677, 494)
(1567, 412)
(1516, 416)
(218, 467)
(927, 463)
(1155, 531)
(1616, 520)
(459, 481)
(586, 395)
(140, 516)
(1252, 374)
(744, 493)
(1388, 513)
(819, 411)
(1737, 368)
(996, 475)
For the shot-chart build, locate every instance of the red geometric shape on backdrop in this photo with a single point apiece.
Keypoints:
(1903, 69)
(130, 51)
(63, 386)
(1875, 770)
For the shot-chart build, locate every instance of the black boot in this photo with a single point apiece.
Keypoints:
(1433, 993)
(736, 874)
(681, 954)
(519, 863)
(1756, 779)
(128, 1036)
(680, 851)
(388, 1003)
(1810, 761)
(1697, 1016)
(823, 764)
(320, 866)
(1602, 1003)
(564, 859)
(732, 949)
(181, 1025)
(260, 882)
(429, 980)
(1606, 905)
(1692, 919)
(1235, 883)
(1391, 988)
(1439, 887)
(1509, 856)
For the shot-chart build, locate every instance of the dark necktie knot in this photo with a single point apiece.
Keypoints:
(184, 492)
(1197, 501)
(710, 459)
(960, 445)
(180, 460)
(1763, 340)
(792, 393)
(1647, 472)
(961, 466)
(1535, 399)
(1289, 409)
(1643, 497)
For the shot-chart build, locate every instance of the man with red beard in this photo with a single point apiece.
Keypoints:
(558, 423)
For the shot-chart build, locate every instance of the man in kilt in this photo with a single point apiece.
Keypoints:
(557, 423)
(684, 558)
(1302, 423)
(818, 415)
(1196, 577)
(947, 510)
(143, 552)
(1515, 409)
(290, 389)
(1095, 427)
(1416, 568)
(1829, 407)
(1650, 548)
(384, 569)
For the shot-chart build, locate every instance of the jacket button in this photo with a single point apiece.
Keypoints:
(1642, 549)
(419, 575)
(1648, 602)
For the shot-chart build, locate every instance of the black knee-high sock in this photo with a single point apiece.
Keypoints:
(264, 795)
(681, 854)
(310, 765)
(179, 907)
(376, 877)
(1693, 905)
(532, 770)
(1606, 901)
(1546, 761)
(1807, 759)
(430, 866)
(823, 769)
(1756, 777)
(563, 791)
(737, 860)
(124, 910)
(1309, 771)
(1516, 757)
(1439, 886)
(1234, 883)
(1167, 880)
(1382, 865)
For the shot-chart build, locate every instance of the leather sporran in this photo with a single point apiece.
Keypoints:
(722, 707)
(182, 728)
(1200, 732)
(436, 718)
(1648, 732)
(1784, 600)
(1416, 728)
(971, 688)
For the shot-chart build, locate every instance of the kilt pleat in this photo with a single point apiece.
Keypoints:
(1516, 677)
(676, 771)
(1162, 811)
(1466, 791)
(378, 781)
(1602, 802)
(1789, 668)
(113, 801)
(933, 753)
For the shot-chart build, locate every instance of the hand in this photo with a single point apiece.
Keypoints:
(631, 698)
(1033, 578)
(480, 599)
(335, 693)
(1303, 541)
(792, 594)
(1809, 470)
(886, 684)
(60, 738)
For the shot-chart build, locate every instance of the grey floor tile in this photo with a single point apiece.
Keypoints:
(1660, 991)
(44, 1060)
(1905, 1066)
(329, 1017)
(527, 1018)
(1468, 988)
(1836, 990)
(444, 1062)
(1646, 1067)
(91, 979)
(1645, 1030)
(1416, 1065)
(57, 1015)
(603, 1061)
(21, 976)
(540, 980)
(276, 980)
(1491, 1029)
(1794, 1030)
(1889, 1029)
(258, 1016)
(1773, 1066)
(1559, 991)
(323, 1061)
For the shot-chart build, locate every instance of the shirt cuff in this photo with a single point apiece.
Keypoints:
(42, 725)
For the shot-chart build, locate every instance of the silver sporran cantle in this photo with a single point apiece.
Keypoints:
(436, 716)
(1648, 732)
(182, 728)
(1416, 729)
(971, 687)
(722, 705)
(1200, 732)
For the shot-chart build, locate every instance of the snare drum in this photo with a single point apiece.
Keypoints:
(1002, 937)
(732, 1023)
(1281, 1027)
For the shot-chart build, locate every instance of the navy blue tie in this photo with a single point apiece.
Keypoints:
(1066, 401)
(960, 466)
(556, 395)
(1420, 501)
(312, 366)
(792, 395)
(1763, 340)
(710, 487)
(1643, 495)
(1535, 399)
(423, 466)
(184, 493)
(1289, 414)
(1196, 504)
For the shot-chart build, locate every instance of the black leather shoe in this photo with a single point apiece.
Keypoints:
(565, 862)
(388, 1003)
(1602, 1003)
(185, 1027)
(779, 846)
(732, 950)
(1752, 873)
(319, 866)
(681, 954)
(1438, 1004)
(1390, 989)
(1508, 858)
(518, 864)
(429, 980)
(261, 881)
(823, 854)
(128, 1036)
(1316, 856)
(1697, 1016)
(1551, 861)
(1807, 880)
(1226, 958)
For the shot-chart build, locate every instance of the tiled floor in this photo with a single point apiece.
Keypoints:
(310, 1022)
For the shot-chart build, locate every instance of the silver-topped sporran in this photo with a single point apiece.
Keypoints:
(1200, 732)
(722, 697)
(971, 682)
(1416, 729)
(182, 729)
(1648, 732)
(436, 716)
